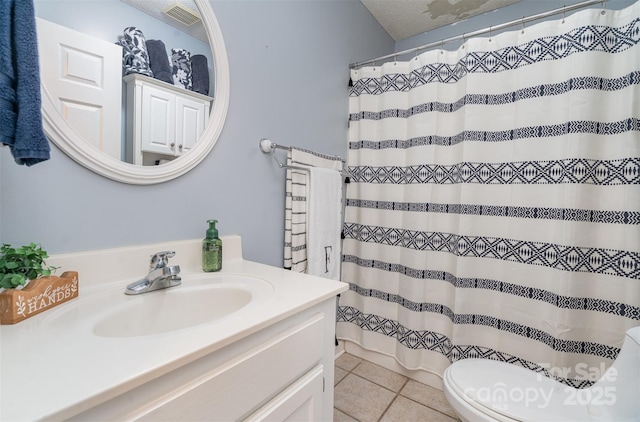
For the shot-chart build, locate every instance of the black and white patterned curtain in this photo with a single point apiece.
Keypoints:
(494, 204)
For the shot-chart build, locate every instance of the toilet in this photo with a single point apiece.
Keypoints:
(488, 390)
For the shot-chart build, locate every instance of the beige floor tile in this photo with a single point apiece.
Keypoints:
(362, 399)
(428, 396)
(381, 376)
(347, 362)
(403, 410)
(338, 374)
(339, 416)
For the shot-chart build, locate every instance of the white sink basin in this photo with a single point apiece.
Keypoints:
(168, 310)
(201, 299)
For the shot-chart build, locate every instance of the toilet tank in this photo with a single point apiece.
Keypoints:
(615, 396)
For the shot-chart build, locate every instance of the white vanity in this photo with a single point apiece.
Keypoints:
(251, 342)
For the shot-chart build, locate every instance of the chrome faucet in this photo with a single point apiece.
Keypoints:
(160, 275)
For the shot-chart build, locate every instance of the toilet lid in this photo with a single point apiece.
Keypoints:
(513, 391)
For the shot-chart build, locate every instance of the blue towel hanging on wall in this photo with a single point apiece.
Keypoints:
(20, 102)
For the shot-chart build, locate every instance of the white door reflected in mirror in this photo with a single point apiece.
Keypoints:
(82, 75)
(86, 149)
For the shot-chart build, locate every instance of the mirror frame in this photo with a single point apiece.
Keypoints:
(65, 138)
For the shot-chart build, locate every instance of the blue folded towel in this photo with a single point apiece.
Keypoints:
(159, 61)
(199, 74)
(20, 102)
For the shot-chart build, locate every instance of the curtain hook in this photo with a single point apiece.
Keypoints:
(416, 55)
(522, 25)
(564, 12)
(442, 46)
(603, 12)
(490, 28)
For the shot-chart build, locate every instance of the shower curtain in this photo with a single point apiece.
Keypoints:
(494, 204)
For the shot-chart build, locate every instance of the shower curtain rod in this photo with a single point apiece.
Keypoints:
(490, 29)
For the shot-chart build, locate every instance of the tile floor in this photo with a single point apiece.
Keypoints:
(367, 392)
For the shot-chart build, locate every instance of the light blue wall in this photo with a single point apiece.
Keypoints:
(288, 62)
(289, 72)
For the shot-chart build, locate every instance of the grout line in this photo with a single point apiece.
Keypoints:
(455, 418)
(403, 385)
(382, 386)
(388, 407)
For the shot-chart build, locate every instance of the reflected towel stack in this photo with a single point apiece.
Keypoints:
(181, 61)
(135, 58)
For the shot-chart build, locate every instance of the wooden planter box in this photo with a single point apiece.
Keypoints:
(39, 295)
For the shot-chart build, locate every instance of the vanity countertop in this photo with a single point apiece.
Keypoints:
(55, 367)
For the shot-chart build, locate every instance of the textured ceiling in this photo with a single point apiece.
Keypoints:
(154, 8)
(406, 18)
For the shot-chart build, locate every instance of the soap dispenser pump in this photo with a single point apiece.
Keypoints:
(212, 249)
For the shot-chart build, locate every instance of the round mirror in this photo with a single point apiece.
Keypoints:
(86, 154)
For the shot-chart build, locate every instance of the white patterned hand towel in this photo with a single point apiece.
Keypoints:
(296, 220)
(325, 220)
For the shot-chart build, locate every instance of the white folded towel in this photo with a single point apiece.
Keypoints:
(296, 206)
(324, 223)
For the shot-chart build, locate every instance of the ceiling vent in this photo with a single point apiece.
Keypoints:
(182, 14)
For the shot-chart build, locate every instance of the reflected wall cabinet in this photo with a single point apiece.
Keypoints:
(163, 121)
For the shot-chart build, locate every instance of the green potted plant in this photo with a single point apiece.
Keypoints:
(19, 265)
(25, 264)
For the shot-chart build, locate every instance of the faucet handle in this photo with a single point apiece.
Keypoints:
(160, 259)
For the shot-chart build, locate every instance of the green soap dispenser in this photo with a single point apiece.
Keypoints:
(212, 249)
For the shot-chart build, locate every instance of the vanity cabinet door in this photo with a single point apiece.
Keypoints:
(158, 123)
(189, 123)
(302, 401)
